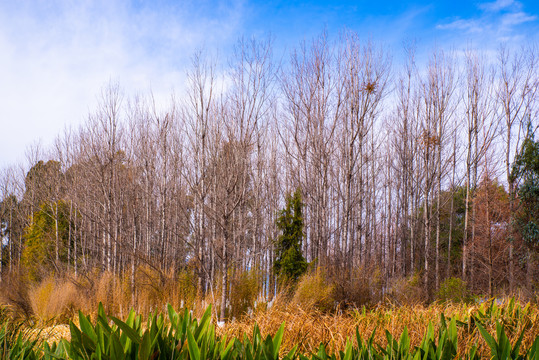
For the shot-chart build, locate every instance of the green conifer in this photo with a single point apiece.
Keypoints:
(526, 169)
(290, 263)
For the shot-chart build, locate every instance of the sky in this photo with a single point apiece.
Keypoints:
(56, 56)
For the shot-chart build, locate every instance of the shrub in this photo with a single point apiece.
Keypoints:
(14, 293)
(453, 289)
(104, 291)
(244, 292)
(38, 255)
(67, 300)
(356, 289)
(40, 296)
(407, 290)
(313, 290)
(187, 288)
(57, 299)
(149, 288)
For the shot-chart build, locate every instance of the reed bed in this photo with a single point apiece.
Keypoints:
(491, 329)
(308, 328)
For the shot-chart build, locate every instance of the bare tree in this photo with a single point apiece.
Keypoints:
(515, 97)
(313, 100)
(363, 72)
(481, 128)
(405, 143)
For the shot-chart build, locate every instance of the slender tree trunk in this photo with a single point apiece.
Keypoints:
(451, 213)
(426, 219)
(133, 263)
(438, 204)
(529, 269)
(56, 234)
(490, 254)
(465, 233)
(75, 252)
(69, 234)
(224, 281)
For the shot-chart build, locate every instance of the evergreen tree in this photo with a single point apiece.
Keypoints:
(50, 223)
(290, 263)
(526, 170)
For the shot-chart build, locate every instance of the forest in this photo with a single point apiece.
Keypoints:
(336, 171)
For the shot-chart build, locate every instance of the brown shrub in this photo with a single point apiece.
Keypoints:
(150, 288)
(314, 291)
(245, 287)
(407, 290)
(14, 293)
(104, 291)
(40, 296)
(56, 299)
(360, 287)
(186, 285)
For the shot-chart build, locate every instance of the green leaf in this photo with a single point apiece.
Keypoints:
(277, 341)
(322, 352)
(404, 342)
(248, 354)
(534, 350)
(102, 319)
(489, 339)
(75, 348)
(291, 353)
(101, 310)
(194, 351)
(87, 328)
(88, 345)
(224, 353)
(472, 354)
(268, 349)
(100, 337)
(452, 332)
(127, 330)
(204, 322)
(347, 351)
(172, 316)
(516, 348)
(98, 354)
(504, 346)
(116, 348)
(145, 347)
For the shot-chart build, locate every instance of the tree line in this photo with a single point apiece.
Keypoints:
(427, 169)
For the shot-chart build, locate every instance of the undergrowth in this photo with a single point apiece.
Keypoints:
(490, 330)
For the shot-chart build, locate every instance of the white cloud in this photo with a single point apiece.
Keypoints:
(495, 22)
(499, 5)
(517, 18)
(469, 25)
(56, 56)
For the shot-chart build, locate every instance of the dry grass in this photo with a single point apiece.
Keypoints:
(314, 291)
(57, 301)
(310, 328)
(14, 295)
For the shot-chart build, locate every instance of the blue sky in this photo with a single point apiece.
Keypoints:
(56, 55)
